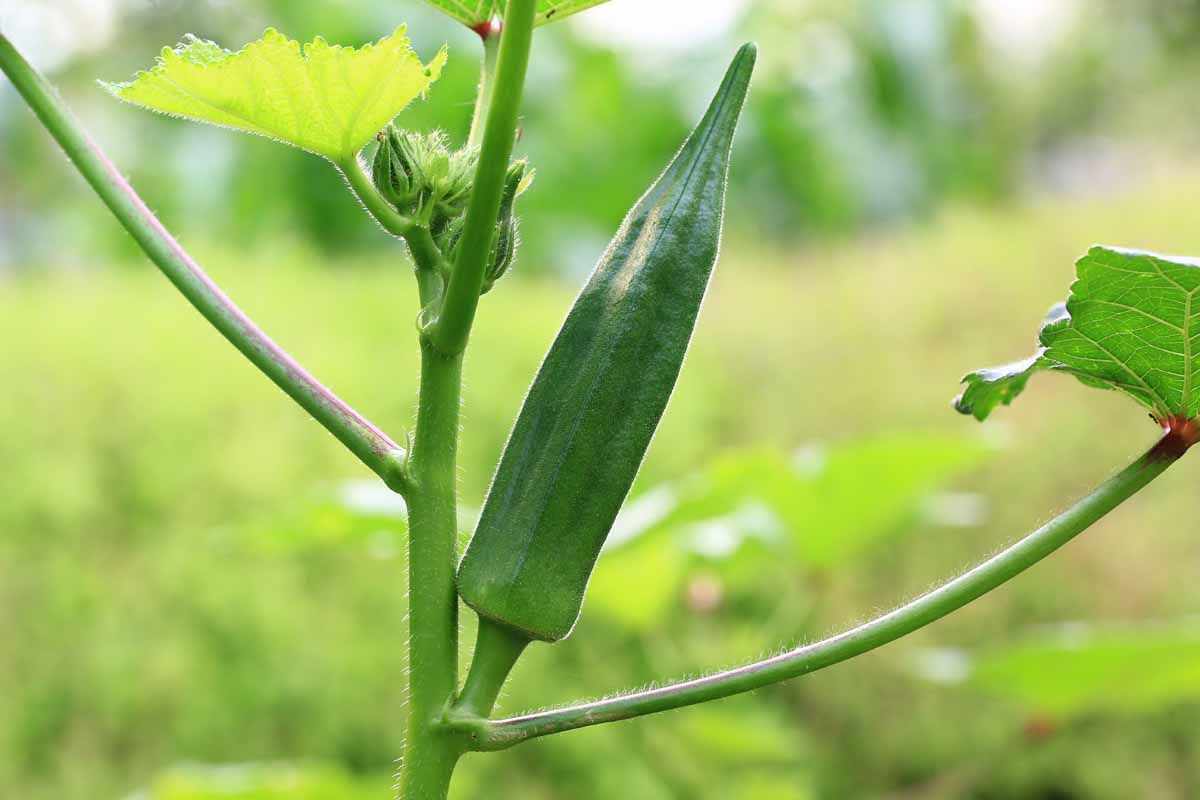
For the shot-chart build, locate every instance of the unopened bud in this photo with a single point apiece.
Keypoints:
(392, 169)
(507, 236)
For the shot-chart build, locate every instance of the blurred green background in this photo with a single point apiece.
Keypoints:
(202, 596)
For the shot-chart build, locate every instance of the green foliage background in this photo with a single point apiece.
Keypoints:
(865, 114)
(188, 579)
(202, 597)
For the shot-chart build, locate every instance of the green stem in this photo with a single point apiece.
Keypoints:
(373, 447)
(430, 751)
(431, 748)
(453, 325)
(497, 648)
(487, 80)
(430, 265)
(388, 218)
(499, 734)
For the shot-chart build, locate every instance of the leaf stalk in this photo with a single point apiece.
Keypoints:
(487, 81)
(486, 734)
(388, 218)
(371, 445)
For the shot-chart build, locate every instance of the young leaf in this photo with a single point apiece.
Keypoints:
(598, 396)
(1130, 324)
(476, 14)
(327, 99)
(993, 386)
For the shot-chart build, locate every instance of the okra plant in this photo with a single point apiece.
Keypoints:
(596, 400)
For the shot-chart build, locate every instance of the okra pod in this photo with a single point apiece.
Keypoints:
(598, 396)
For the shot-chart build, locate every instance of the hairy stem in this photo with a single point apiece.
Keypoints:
(428, 261)
(496, 735)
(388, 218)
(497, 649)
(431, 748)
(430, 752)
(430, 265)
(366, 441)
(453, 325)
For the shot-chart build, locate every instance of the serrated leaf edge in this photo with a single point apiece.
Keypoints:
(117, 89)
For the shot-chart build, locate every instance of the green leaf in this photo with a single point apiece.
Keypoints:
(1086, 671)
(358, 520)
(1130, 324)
(475, 13)
(327, 99)
(599, 394)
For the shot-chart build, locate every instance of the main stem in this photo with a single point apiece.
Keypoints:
(499, 734)
(430, 752)
(432, 748)
(453, 326)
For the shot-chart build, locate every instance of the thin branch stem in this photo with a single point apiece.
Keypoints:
(373, 447)
(487, 81)
(497, 735)
(388, 218)
(430, 264)
(453, 325)
(497, 649)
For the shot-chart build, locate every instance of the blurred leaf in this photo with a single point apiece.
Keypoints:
(347, 522)
(327, 99)
(866, 491)
(769, 787)
(266, 782)
(637, 586)
(474, 13)
(1082, 671)
(741, 734)
(832, 504)
(1128, 325)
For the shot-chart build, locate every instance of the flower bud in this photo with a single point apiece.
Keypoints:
(391, 171)
(507, 236)
(452, 188)
(423, 178)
